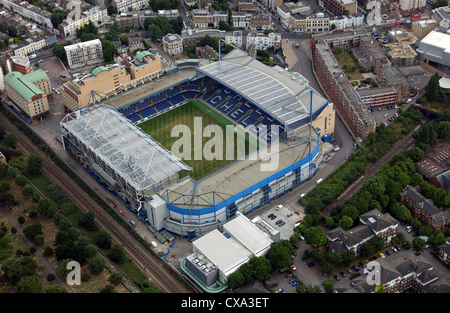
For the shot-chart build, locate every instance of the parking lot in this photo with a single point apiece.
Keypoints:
(385, 114)
(283, 219)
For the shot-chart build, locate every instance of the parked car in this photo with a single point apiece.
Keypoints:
(275, 285)
(393, 249)
(336, 277)
(381, 255)
(281, 224)
(279, 207)
(388, 252)
(310, 263)
(342, 274)
(294, 268)
(356, 268)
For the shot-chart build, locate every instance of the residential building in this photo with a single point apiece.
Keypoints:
(129, 19)
(341, 92)
(341, 7)
(261, 41)
(375, 97)
(444, 253)
(312, 24)
(29, 93)
(93, 86)
(236, 39)
(372, 223)
(261, 21)
(241, 19)
(29, 11)
(170, 14)
(84, 53)
(95, 15)
(424, 209)
(173, 44)
(204, 18)
(272, 4)
(410, 7)
(347, 21)
(400, 274)
(194, 36)
(126, 5)
(21, 64)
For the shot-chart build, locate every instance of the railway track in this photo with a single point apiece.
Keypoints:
(351, 190)
(143, 258)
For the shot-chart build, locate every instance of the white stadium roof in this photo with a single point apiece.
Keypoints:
(282, 94)
(129, 151)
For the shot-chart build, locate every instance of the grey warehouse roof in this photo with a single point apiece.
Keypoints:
(129, 151)
(283, 95)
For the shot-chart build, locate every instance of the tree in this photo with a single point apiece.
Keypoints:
(235, 279)
(32, 230)
(117, 254)
(436, 240)
(11, 140)
(261, 267)
(16, 268)
(418, 245)
(153, 32)
(88, 222)
(278, 255)
(96, 265)
(47, 207)
(12, 31)
(333, 257)
(433, 90)
(103, 239)
(346, 222)
(109, 49)
(29, 284)
(315, 235)
(34, 164)
(108, 289)
(443, 129)
(115, 278)
(328, 286)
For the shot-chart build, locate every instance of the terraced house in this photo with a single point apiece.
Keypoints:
(29, 93)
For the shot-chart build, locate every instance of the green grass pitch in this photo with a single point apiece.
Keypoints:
(160, 129)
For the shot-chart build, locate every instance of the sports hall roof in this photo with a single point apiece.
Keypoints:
(283, 95)
(129, 151)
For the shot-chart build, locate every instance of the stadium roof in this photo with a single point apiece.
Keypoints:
(280, 93)
(133, 154)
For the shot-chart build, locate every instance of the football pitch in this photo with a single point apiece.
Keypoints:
(184, 122)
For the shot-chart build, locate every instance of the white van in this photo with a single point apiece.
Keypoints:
(319, 181)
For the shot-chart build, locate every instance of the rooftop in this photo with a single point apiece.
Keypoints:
(24, 84)
(125, 148)
(273, 89)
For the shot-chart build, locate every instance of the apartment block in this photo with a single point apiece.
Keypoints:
(29, 93)
(29, 11)
(261, 41)
(125, 5)
(204, 18)
(314, 23)
(95, 15)
(402, 54)
(241, 19)
(378, 96)
(340, 91)
(84, 53)
(410, 7)
(173, 44)
(422, 28)
(424, 209)
(97, 84)
(261, 21)
(341, 7)
(347, 21)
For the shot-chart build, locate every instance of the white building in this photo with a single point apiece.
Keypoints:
(343, 22)
(31, 47)
(435, 47)
(261, 41)
(241, 19)
(217, 254)
(235, 38)
(173, 44)
(125, 5)
(29, 11)
(84, 53)
(96, 15)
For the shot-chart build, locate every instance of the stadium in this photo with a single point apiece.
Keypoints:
(125, 142)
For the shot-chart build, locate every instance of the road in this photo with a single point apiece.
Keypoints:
(144, 259)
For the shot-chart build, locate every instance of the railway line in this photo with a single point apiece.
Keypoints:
(406, 143)
(143, 258)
